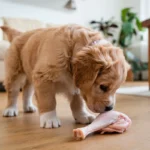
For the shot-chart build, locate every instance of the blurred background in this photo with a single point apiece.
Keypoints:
(120, 21)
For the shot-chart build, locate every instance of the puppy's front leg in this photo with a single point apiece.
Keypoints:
(45, 95)
(80, 114)
(28, 92)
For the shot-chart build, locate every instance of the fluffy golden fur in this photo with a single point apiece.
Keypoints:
(63, 60)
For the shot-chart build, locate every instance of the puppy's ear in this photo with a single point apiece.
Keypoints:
(10, 32)
(86, 66)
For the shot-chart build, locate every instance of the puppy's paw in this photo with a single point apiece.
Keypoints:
(49, 120)
(84, 117)
(10, 111)
(30, 108)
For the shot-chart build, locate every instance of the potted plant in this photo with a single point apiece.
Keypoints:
(130, 28)
(107, 27)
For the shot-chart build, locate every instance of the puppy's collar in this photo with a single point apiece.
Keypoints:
(100, 42)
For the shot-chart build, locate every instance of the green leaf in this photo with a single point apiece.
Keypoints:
(93, 22)
(109, 34)
(125, 37)
(113, 25)
(131, 16)
(139, 24)
(124, 13)
(135, 66)
(127, 28)
(130, 27)
(145, 66)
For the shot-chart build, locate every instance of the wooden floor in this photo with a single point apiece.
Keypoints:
(23, 132)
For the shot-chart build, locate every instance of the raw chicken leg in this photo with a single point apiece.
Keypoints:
(111, 121)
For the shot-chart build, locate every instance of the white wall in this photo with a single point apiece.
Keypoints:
(53, 11)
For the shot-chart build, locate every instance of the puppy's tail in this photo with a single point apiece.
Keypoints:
(11, 33)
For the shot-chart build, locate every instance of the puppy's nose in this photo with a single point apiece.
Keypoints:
(108, 108)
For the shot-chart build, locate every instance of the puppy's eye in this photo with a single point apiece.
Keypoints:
(104, 88)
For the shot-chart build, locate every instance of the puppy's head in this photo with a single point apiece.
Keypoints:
(98, 71)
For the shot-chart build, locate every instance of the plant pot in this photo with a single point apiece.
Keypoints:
(130, 75)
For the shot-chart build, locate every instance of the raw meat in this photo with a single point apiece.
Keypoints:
(111, 121)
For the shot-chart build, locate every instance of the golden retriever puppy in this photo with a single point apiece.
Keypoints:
(69, 59)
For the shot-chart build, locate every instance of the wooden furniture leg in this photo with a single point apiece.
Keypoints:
(146, 24)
